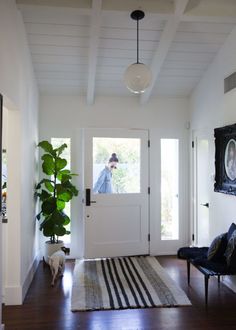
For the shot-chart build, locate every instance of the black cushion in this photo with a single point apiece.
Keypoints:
(232, 228)
(192, 252)
(230, 252)
(217, 248)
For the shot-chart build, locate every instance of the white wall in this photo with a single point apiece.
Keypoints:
(17, 84)
(63, 116)
(211, 108)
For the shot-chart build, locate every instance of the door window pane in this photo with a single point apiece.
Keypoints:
(169, 189)
(116, 165)
(57, 142)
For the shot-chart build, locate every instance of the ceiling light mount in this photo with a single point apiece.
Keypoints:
(137, 76)
(137, 15)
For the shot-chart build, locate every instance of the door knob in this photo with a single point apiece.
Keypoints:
(206, 205)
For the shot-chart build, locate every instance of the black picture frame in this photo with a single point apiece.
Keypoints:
(225, 159)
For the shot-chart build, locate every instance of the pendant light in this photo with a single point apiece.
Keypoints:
(137, 76)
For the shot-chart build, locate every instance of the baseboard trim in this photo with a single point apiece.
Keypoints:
(15, 295)
(30, 276)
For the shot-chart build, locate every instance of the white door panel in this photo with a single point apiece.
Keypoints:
(117, 224)
(202, 183)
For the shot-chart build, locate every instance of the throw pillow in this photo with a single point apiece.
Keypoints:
(232, 228)
(217, 248)
(230, 247)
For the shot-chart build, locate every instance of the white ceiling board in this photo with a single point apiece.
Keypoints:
(59, 50)
(53, 67)
(186, 57)
(127, 44)
(60, 39)
(37, 39)
(185, 65)
(130, 34)
(205, 27)
(76, 75)
(197, 37)
(168, 72)
(125, 53)
(51, 59)
(187, 47)
(52, 15)
(63, 82)
(58, 29)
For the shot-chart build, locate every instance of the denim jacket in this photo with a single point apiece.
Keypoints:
(104, 182)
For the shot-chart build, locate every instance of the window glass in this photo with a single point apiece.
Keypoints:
(169, 189)
(116, 165)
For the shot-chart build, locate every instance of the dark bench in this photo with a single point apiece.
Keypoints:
(192, 259)
(218, 265)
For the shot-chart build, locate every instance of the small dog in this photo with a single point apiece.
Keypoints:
(57, 264)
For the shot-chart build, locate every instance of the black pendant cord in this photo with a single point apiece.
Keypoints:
(137, 41)
(137, 15)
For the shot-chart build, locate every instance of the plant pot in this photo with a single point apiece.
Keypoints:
(50, 248)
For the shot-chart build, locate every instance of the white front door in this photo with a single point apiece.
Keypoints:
(201, 191)
(117, 219)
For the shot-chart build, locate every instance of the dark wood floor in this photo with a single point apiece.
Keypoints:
(49, 308)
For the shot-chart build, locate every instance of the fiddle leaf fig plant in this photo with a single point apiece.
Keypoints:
(54, 192)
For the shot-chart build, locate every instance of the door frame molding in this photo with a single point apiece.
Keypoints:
(194, 183)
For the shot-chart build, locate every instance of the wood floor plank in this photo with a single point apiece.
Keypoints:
(47, 307)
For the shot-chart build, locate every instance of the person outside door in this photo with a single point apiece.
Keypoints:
(104, 181)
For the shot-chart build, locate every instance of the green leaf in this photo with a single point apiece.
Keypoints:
(46, 146)
(61, 149)
(42, 181)
(60, 204)
(63, 193)
(46, 222)
(44, 195)
(58, 218)
(48, 231)
(65, 177)
(59, 230)
(66, 196)
(66, 220)
(67, 232)
(48, 165)
(69, 186)
(60, 173)
(49, 186)
(60, 163)
(49, 205)
(38, 216)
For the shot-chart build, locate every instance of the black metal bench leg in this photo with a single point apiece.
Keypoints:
(206, 288)
(188, 271)
(218, 279)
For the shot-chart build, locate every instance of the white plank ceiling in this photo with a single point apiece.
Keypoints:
(84, 47)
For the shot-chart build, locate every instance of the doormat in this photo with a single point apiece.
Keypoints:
(124, 282)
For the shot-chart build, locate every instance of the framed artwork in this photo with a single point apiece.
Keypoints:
(225, 159)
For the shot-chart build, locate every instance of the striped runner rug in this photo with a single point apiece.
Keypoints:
(125, 282)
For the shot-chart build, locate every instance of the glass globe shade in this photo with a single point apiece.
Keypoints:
(137, 77)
